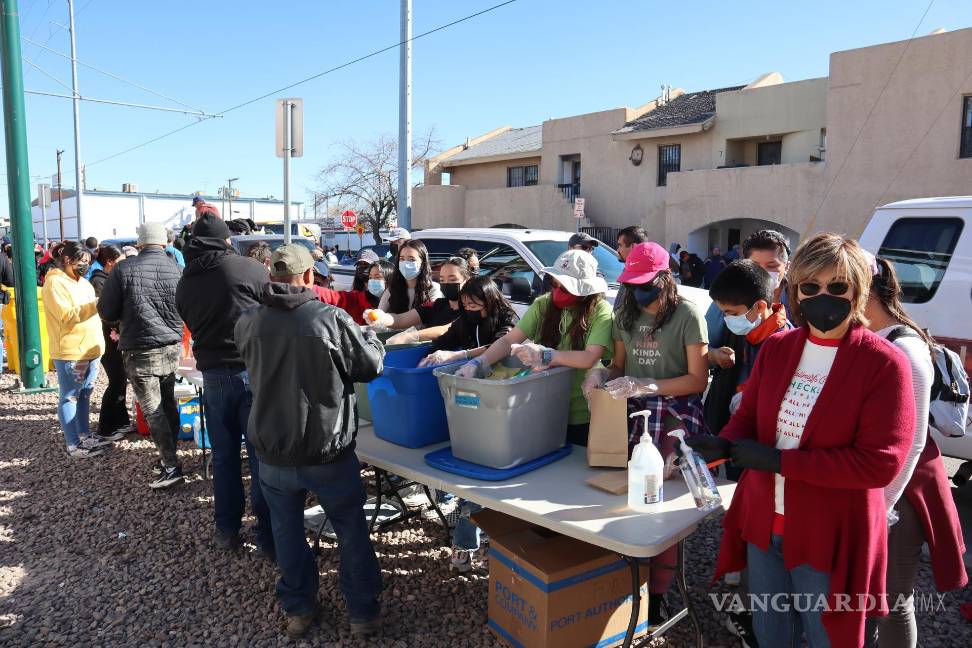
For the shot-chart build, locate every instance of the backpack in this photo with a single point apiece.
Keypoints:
(948, 411)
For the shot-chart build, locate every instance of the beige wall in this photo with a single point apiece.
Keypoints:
(542, 206)
(489, 175)
(909, 147)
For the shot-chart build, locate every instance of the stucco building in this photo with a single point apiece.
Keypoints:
(890, 122)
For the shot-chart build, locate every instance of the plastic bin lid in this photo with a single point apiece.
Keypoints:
(444, 460)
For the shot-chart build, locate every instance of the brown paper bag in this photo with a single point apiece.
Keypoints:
(607, 443)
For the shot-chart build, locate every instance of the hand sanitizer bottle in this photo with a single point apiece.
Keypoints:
(697, 475)
(645, 473)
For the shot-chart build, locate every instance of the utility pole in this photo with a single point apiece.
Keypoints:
(229, 195)
(18, 196)
(405, 118)
(60, 198)
(288, 151)
(79, 184)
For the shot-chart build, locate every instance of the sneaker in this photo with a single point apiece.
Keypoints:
(77, 452)
(367, 628)
(104, 439)
(299, 624)
(169, 477)
(157, 468)
(740, 624)
(227, 541)
(461, 561)
(90, 443)
(447, 508)
(413, 496)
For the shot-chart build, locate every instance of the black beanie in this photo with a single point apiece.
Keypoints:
(210, 226)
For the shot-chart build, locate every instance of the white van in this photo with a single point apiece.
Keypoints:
(927, 241)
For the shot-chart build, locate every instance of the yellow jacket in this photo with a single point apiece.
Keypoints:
(73, 325)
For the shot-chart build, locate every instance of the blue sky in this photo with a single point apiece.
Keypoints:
(518, 65)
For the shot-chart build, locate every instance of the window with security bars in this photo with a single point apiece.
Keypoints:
(966, 147)
(522, 176)
(669, 161)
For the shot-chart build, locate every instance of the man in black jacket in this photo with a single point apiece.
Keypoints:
(218, 285)
(303, 357)
(140, 294)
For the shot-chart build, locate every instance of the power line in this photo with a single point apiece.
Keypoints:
(126, 104)
(49, 75)
(310, 78)
(887, 82)
(115, 76)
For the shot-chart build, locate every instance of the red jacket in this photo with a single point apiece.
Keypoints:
(931, 496)
(355, 302)
(854, 443)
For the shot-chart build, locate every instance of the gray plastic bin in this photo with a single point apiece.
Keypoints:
(504, 423)
(361, 389)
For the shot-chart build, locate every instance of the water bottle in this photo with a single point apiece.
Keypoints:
(646, 473)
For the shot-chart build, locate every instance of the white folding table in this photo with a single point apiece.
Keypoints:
(556, 497)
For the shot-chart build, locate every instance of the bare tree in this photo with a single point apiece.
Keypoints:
(364, 177)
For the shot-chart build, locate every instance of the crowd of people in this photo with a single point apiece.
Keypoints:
(818, 399)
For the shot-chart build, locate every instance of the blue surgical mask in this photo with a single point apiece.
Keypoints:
(646, 296)
(740, 324)
(410, 269)
(376, 287)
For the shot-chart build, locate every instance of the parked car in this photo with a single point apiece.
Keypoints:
(383, 251)
(514, 258)
(927, 241)
(243, 243)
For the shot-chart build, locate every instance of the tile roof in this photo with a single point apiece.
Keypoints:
(689, 108)
(516, 140)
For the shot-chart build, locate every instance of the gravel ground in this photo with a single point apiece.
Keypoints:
(89, 556)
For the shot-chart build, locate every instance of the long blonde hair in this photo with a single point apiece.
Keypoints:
(830, 251)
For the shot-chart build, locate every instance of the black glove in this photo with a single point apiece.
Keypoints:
(712, 448)
(747, 453)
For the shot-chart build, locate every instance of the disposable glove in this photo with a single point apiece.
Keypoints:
(377, 318)
(628, 387)
(712, 448)
(475, 368)
(441, 358)
(595, 379)
(747, 453)
(529, 354)
(408, 336)
(734, 402)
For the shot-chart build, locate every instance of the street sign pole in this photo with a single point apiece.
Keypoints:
(44, 200)
(288, 149)
(18, 196)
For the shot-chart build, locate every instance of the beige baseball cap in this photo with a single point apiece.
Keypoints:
(576, 270)
(290, 260)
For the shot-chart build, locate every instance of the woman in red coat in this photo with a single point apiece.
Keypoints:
(825, 423)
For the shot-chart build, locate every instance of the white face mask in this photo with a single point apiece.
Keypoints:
(774, 278)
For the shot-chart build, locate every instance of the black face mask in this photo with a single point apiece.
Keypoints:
(824, 312)
(450, 291)
(646, 296)
(360, 279)
(473, 317)
(82, 269)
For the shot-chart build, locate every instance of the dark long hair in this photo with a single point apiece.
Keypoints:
(887, 289)
(107, 254)
(583, 313)
(398, 289)
(495, 307)
(387, 271)
(668, 301)
(68, 252)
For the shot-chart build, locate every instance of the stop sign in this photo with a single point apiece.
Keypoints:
(348, 218)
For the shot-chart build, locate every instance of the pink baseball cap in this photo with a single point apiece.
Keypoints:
(644, 262)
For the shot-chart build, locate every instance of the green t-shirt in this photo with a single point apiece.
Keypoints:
(599, 332)
(662, 356)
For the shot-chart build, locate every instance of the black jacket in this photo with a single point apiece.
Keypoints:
(462, 335)
(140, 294)
(303, 357)
(216, 286)
(6, 271)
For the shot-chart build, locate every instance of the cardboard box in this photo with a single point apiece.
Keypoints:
(550, 591)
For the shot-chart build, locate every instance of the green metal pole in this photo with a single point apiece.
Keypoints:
(18, 193)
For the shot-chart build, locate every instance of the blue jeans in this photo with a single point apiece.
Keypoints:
(466, 535)
(227, 401)
(75, 380)
(780, 627)
(341, 493)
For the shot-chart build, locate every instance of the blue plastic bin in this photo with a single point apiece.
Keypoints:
(406, 403)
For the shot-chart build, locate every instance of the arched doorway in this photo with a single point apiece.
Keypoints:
(727, 233)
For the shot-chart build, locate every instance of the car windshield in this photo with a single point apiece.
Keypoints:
(608, 262)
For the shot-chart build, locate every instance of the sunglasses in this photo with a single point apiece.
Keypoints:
(836, 288)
